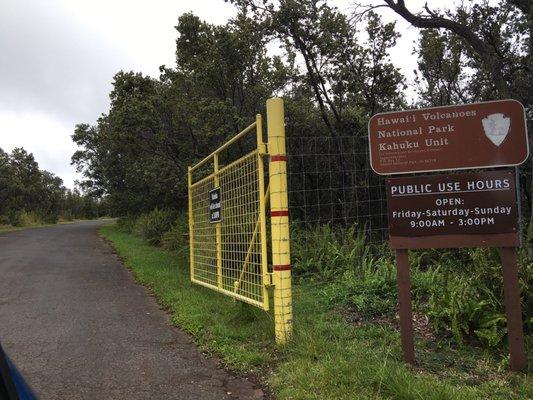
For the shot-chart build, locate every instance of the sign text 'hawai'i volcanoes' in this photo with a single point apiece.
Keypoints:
(489, 134)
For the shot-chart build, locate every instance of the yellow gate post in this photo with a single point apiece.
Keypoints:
(279, 213)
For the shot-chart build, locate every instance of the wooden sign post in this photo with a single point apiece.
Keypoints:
(404, 299)
(476, 209)
(511, 291)
(518, 360)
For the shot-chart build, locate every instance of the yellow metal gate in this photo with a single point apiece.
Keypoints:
(230, 255)
(228, 222)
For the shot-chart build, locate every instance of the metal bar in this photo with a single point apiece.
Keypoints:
(513, 312)
(230, 294)
(218, 228)
(224, 146)
(191, 224)
(263, 199)
(404, 299)
(237, 283)
(225, 167)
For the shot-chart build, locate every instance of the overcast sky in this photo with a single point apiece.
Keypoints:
(58, 57)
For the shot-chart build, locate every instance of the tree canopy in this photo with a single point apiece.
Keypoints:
(333, 68)
(26, 189)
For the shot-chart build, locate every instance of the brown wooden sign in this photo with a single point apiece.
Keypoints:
(489, 134)
(455, 210)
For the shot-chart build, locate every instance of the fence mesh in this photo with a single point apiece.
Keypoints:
(331, 182)
(241, 244)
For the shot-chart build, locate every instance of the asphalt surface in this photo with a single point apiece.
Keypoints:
(78, 327)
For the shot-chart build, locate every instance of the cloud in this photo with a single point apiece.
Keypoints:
(52, 63)
(58, 58)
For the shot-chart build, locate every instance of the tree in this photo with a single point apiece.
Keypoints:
(137, 154)
(26, 190)
(29, 194)
(350, 80)
(480, 28)
(6, 183)
(441, 76)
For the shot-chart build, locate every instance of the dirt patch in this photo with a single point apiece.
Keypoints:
(421, 324)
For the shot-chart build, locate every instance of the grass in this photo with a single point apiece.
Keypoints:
(11, 228)
(328, 358)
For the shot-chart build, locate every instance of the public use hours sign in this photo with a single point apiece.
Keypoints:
(477, 135)
(444, 207)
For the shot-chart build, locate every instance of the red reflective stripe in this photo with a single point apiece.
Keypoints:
(278, 158)
(281, 213)
(286, 267)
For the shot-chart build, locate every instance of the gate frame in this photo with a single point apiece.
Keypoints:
(280, 277)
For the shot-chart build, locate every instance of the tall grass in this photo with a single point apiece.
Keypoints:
(152, 226)
(459, 291)
(24, 218)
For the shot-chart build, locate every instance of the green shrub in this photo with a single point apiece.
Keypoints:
(50, 218)
(127, 224)
(158, 227)
(461, 291)
(67, 216)
(4, 220)
(152, 226)
(324, 253)
(174, 238)
(369, 289)
(23, 218)
(466, 295)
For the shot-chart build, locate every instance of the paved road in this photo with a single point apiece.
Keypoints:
(78, 326)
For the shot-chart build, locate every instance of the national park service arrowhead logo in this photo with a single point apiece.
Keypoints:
(496, 127)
